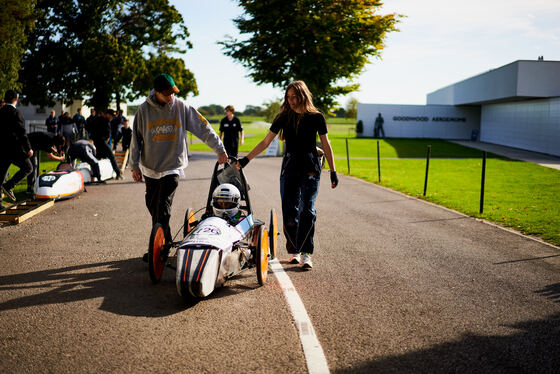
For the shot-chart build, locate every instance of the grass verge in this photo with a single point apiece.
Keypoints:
(520, 195)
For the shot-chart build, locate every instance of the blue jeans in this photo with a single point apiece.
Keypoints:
(298, 192)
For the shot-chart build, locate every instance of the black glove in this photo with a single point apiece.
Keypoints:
(243, 162)
(334, 179)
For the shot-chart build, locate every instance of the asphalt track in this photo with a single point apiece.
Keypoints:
(399, 285)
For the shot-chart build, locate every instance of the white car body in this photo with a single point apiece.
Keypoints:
(59, 185)
(209, 255)
(105, 169)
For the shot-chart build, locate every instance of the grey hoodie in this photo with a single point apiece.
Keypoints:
(159, 140)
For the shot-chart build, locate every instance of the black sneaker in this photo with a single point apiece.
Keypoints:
(9, 193)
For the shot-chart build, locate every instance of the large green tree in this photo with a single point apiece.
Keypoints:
(104, 50)
(16, 20)
(326, 43)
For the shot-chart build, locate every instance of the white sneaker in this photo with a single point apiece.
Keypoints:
(295, 258)
(306, 261)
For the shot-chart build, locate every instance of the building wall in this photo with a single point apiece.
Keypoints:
(421, 121)
(532, 125)
(518, 80)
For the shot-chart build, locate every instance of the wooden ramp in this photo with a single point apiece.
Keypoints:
(122, 158)
(23, 210)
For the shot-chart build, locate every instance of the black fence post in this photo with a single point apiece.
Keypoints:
(482, 182)
(378, 163)
(427, 168)
(347, 156)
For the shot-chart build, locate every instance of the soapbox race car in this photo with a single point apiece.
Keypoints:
(68, 181)
(215, 248)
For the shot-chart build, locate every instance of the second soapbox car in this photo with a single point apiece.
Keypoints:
(214, 248)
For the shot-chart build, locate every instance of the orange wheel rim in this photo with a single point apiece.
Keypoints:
(159, 240)
(274, 231)
(191, 219)
(273, 235)
(264, 254)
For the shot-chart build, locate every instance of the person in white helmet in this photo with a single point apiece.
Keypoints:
(225, 202)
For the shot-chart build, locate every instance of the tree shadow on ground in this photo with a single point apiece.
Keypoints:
(534, 348)
(551, 292)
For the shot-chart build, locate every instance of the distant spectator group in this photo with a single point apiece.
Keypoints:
(78, 127)
(66, 138)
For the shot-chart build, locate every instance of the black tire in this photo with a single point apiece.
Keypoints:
(189, 219)
(186, 295)
(157, 254)
(261, 255)
(273, 234)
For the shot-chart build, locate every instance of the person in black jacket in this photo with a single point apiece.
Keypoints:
(100, 133)
(80, 122)
(14, 145)
(232, 131)
(90, 122)
(126, 135)
(116, 127)
(52, 122)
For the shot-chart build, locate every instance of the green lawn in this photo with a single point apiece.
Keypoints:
(518, 194)
(245, 120)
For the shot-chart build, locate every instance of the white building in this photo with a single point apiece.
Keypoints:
(35, 116)
(516, 105)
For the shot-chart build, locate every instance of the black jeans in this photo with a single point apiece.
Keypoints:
(159, 198)
(231, 146)
(86, 155)
(35, 161)
(116, 137)
(104, 151)
(24, 165)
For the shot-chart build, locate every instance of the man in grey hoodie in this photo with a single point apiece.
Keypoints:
(159, 146)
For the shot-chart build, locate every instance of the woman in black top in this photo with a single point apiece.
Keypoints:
(298, 122)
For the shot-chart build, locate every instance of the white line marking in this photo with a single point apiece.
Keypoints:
(314, 355)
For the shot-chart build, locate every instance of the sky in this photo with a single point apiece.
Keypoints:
(440, 42)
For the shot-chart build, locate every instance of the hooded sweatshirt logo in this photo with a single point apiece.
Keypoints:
(164, 130)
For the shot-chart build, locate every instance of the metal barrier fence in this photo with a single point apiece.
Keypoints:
(35, 125)
(428, 153)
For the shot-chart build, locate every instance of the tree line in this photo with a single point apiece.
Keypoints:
(271, 107)
(110, 50)
(102, 50)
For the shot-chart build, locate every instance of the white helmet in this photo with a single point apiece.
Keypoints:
(225, 200)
